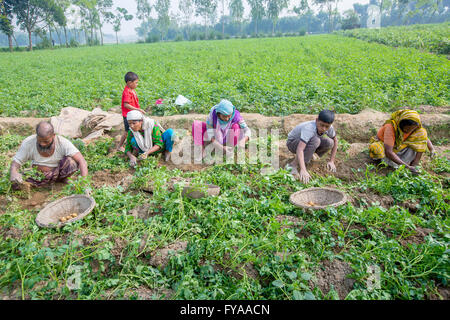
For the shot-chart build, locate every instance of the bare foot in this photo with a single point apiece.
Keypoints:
(166, 156)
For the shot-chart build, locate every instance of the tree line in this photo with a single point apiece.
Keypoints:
(77, 20)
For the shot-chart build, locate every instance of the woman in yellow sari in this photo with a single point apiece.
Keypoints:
(401, 141)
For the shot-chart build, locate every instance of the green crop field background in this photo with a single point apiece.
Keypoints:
(273, 76)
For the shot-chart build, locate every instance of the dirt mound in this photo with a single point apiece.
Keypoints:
(161, 257)
(355, 149)
(418, 237)
(11, 233)
(432, 109)
(145, 211)
(111, 178)
(333, 275)
(368, 199)
(119, 245)
(20, 126)
(352, 127)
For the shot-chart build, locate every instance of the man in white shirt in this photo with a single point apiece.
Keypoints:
(308, 138)
(54, 156)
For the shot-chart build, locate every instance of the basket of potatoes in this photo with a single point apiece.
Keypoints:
(65, 210)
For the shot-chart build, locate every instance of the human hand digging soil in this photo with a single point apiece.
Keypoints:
(331, 166)
(133, 161)
(304, 176)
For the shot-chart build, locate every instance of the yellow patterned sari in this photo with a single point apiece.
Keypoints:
(417, 140)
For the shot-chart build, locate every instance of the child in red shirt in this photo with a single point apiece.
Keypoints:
(130, 102)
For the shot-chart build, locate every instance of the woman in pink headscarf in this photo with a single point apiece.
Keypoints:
(224, 127)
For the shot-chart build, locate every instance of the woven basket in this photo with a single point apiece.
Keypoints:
(318, 198)
(197, 192)
(80, 204)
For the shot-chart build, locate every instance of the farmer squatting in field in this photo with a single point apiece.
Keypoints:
(145, 138)
(224, 127)
(54, 156)
(308, 138)
(401, 141)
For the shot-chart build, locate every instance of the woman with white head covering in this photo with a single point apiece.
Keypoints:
(145, 138)
(224, 127)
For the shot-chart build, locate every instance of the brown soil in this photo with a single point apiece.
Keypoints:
(417, 238)
(22, 126)
(443, 293)
(11, 233)
(432, 109)
(145, 293)
(111, 179)
(119, 246)
(370, 199)
(333, 274)
(3, 204)
(161, 257)
(145, 211)
(304, 233)
(55, 240)
(85, 239)
(40, 197)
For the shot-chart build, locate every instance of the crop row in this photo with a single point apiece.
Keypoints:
(433, 37)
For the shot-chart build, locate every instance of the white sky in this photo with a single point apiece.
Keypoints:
(129, 26)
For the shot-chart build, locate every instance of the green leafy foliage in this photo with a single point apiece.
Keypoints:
(271, 76)
(428, 37)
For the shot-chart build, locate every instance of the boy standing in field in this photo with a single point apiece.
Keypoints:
(307, 138)
(130, 102)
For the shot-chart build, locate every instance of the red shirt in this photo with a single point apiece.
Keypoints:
(131, 98)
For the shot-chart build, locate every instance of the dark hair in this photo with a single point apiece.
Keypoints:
(326, 116)
(44, 129)
(407, 122)
(131, 76)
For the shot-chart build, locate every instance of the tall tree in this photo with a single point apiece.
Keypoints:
(144, 14)
(117, 18)
(186, 8)
(6, 7)
(64, 5)
(257, 11)
(30, 13)
(237, 12)
(206, 9)
(303, 9)
(162, 8)
(223, 5)
(104, 14)
(53, 14)
(331, 12)
(89, 16)
(274, 8)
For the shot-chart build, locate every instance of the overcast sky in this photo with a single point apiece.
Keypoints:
(129, 26)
